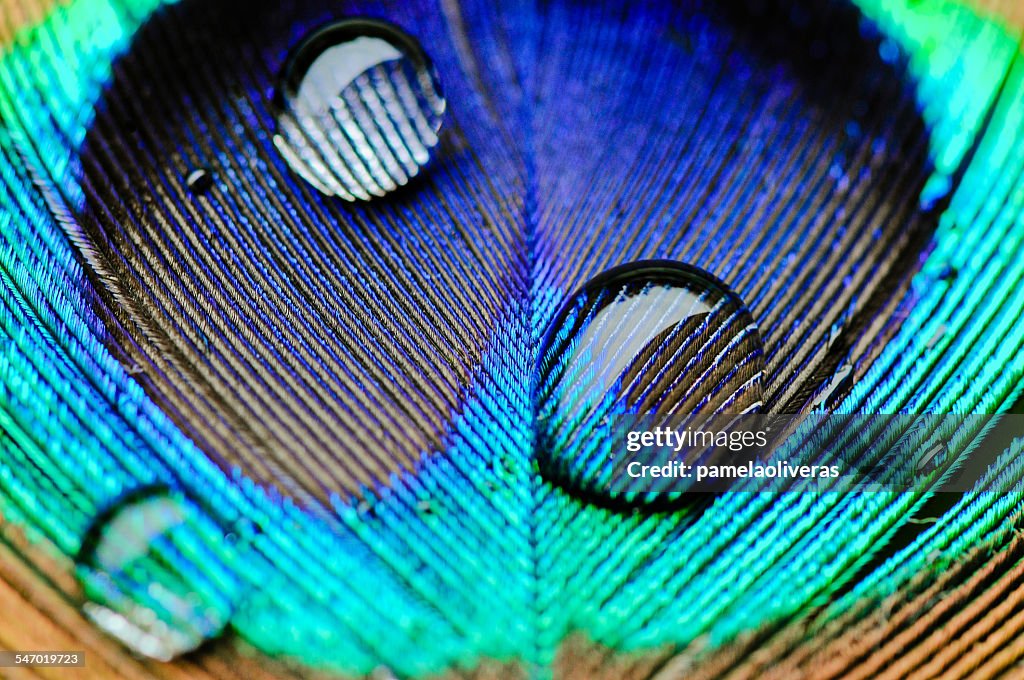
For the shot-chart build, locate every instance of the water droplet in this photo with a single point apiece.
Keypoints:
(653, 338)
(359, 109)
(154, 570)
(199, 181)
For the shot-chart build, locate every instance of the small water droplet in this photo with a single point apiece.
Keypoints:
(199, 181)
(653, 338)
(360, 108)
(154, 572)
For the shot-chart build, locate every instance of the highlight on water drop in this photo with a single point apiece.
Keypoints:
(359, 109)
(651, 342)
(199, 181)
(155, 572)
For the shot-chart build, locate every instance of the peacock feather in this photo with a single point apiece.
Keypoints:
(334, 404)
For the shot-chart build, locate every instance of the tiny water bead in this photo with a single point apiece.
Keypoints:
(199, 181)
(653, 339)
(154, 571)
(359, 109)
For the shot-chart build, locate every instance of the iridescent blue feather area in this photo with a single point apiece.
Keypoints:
(309, 375)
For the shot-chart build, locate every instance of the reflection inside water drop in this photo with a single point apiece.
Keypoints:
(154, 570)
(646, 340)
(199, 181)
(360, 107)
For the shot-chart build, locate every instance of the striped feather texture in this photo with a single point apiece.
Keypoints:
(323, 346)
(349, 386)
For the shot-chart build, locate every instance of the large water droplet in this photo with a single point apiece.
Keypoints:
(654, 340)
(154, 570)
(360, 108)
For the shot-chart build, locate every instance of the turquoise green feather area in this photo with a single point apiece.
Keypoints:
(504, 565)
